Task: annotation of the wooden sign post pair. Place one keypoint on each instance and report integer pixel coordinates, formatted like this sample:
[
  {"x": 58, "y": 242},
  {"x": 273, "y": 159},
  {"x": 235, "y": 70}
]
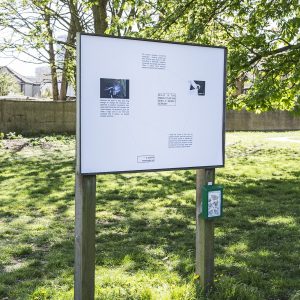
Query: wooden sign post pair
[
  {"x": 167, "y": 97},
  {"x": 85, "y": 236}
]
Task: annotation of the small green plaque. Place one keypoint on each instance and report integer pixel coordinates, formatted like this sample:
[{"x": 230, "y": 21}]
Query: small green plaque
[{"x": 212, "y": 202}]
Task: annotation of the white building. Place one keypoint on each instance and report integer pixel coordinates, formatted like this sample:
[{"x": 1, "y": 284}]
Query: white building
[{"x": 28, "y": 87}]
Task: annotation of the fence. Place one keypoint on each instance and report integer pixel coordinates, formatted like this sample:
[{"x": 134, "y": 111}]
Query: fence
[{"x": 34, "y": 117}]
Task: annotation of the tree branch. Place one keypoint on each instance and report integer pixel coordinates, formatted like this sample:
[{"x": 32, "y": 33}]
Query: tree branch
[{"x": 271, "y": 52}]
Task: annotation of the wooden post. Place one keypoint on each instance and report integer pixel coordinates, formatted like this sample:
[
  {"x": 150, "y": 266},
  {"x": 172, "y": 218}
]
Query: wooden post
[
  {"x": 204, "y": 234},
  {"x": 85, "y": 214},
  {"x": 85, "y": 210}
]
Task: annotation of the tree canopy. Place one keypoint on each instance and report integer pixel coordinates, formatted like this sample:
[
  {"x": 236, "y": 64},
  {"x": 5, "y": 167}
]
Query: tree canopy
[
  {"x": 262, "y": 37},
  {"x": 263, "y": 41}
]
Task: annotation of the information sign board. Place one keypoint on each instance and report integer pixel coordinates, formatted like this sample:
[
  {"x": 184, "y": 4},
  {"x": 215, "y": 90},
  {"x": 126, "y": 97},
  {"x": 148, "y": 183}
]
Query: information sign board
[{"x": 149, "y": 105}]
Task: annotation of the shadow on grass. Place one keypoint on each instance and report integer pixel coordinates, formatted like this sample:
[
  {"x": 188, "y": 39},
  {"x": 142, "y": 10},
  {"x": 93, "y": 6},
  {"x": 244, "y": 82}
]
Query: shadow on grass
[
  {"x": 261, "y": 230},
  {"x": 146, "y": 222},
  {"x": 260, "y": 243},
  {"x": 35, "y": 190}
]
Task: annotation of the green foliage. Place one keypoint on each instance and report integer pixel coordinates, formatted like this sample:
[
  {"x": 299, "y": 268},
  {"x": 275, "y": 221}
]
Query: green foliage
[
  {"x": 8, "y": 84},
  {"x": 228, "y": 288},
  {"x": 296, "y": 296},
  {"x": 269, "y": 57},
  {"x": 145, "y": 224},
  {"x": 12, "y": 136},
  {"x": 263, "y": 42},
  {"x": 46, "y": 93},
  {"x": 262, "y": 38}
]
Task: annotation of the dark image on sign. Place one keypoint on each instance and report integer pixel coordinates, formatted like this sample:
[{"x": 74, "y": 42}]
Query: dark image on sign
[
  {"x": 197, "y": 87},
  {"x": 114, "y": 88}
]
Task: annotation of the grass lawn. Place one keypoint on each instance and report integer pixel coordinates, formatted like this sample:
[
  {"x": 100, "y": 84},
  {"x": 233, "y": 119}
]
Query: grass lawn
[{"x": 145, "y": 224}]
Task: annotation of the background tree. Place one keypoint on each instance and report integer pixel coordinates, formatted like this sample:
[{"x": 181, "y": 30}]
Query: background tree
[
  {"x": 262, "y": 37},
  {"x": 28, "y": 30},
  {"x": 35, "y": 28},
  {"x": 263, "y": 42},
  {"x": 8, "y": 84}
]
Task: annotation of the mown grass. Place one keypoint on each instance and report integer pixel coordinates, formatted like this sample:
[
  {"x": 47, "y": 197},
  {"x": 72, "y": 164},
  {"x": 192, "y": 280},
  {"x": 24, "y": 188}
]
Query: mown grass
[{"x": 145, "y": 225}]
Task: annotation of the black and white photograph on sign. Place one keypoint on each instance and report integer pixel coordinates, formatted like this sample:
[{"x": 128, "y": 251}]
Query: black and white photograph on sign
[
  {"x": 197, "y": 87},
  {"x": 114, "y": 88}
]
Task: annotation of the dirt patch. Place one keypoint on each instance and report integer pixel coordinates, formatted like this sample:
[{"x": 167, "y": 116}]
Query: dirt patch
[
  {"x": 15, "y": 145},
  {"x": 15, "y": 265},
  {"x": 18, "y": 145},
  {"x": 46, "y": 145}
]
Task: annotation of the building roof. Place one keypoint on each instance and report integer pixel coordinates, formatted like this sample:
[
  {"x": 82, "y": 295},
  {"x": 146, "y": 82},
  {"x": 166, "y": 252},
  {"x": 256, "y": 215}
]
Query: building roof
[{"x": 17, "y": 75}]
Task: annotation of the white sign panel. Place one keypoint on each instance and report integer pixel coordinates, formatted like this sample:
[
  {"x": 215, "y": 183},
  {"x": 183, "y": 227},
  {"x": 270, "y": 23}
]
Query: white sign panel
[{"x": 146, "y": 105}]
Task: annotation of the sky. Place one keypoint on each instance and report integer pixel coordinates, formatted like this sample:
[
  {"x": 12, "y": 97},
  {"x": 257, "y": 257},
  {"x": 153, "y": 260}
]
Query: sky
[{"x": 26, "y": 69}]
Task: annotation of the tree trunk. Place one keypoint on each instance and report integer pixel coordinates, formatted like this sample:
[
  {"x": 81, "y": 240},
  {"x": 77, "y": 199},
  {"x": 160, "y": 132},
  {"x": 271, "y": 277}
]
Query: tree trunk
[
  {"x": 67, "y": 57},
  {"x": 64, "y": 81},
  {"x": 100, "y": 16},
  {"x": 75, "y": 19},
  {"x": 239, "y": 86},
  {"x": 53, "y": 71},
  {"x": 52, "y": 62},
  {"x": 74, "y": 27}
]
